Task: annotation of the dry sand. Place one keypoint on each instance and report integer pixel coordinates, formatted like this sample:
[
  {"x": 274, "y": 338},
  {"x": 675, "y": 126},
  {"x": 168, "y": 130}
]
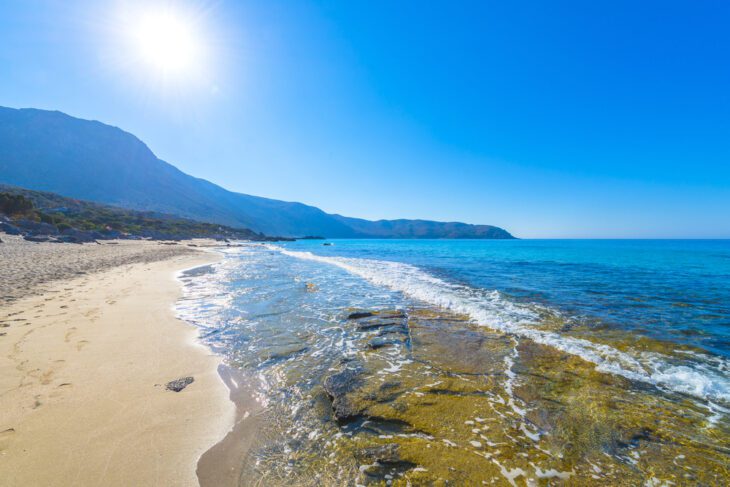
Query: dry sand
[
  {"x": 84, "y": 361},
  {"x": 26, "y": 266}
]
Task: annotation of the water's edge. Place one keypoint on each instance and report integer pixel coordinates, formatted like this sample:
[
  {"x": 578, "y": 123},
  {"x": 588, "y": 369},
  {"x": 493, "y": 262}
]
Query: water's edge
[{"x": 284, "y": 424}]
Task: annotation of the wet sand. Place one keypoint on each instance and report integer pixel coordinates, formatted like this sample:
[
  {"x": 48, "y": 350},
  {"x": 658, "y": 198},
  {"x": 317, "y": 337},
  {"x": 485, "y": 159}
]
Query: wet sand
[
  {"x": 88, "y": 340},
  {"x": 222, "y": 465}
]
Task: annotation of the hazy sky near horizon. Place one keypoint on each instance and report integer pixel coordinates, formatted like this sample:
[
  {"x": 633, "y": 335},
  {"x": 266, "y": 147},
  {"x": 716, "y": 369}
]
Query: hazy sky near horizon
[{"x": 604, "y": 119}]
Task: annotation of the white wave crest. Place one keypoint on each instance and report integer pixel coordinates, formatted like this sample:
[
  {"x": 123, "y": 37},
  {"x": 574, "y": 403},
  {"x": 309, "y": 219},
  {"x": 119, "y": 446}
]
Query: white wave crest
[{"x": 492, "y": 309}]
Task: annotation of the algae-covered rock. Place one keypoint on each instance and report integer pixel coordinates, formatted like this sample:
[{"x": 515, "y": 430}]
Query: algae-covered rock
[
  {"x": 337, "y": 386},
  {"x": 380, "y": 454},
  {"x": 429, "y": 398}
]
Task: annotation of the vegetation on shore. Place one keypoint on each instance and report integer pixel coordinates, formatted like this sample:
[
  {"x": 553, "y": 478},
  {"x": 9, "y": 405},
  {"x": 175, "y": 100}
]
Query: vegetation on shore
[{"x": 66, "y": 215}]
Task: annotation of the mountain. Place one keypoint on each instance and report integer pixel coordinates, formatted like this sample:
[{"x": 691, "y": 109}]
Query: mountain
[{"x": 52, "y": 151}]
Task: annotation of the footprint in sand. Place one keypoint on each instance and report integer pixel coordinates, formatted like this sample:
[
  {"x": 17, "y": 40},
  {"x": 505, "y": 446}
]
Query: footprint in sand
[
  {"x": 47, "y": 377},
  {"x": 93, "y": 314},
  {"x": 69, "y": 333},
  {"x": 58, "y": 392},
  {"x": 6, "y": 433},
  {"x": 5, "y": 438},
  {"x": 81, "y": 344}
]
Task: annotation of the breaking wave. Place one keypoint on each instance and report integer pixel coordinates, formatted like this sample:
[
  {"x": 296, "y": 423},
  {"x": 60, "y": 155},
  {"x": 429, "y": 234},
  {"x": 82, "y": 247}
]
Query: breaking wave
[{"x": 707, "y": 381}]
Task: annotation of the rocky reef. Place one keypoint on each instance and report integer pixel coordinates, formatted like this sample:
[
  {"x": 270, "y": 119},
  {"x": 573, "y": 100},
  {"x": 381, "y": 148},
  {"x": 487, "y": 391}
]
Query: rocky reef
[{"x": 428, "y": 398}]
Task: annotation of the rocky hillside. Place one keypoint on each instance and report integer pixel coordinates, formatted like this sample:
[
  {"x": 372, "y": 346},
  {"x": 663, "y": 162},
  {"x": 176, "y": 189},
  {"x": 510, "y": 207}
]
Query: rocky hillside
[{"x": 43, "y": 216}]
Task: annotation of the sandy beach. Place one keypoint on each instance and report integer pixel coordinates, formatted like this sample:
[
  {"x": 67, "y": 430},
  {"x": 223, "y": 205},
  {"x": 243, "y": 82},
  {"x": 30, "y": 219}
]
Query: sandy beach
[{"x": 88, "y": 341}]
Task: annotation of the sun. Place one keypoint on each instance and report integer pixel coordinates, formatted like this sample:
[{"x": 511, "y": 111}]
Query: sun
[{"x": 167, "y": 41}]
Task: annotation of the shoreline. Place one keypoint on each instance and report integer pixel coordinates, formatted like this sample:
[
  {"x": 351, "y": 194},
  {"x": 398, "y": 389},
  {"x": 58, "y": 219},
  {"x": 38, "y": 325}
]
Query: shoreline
[
  {"x": 83, "y": 366},
  {"x": 364, "y": 386},
  {"x": 222, "y": 464}
]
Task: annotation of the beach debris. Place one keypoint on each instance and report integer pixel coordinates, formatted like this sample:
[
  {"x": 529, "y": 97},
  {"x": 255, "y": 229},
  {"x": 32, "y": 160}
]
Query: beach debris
[{"x": 178, "y": 385}]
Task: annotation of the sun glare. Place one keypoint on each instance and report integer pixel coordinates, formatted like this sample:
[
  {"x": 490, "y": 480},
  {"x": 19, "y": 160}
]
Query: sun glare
[{"x": 168, "y": 42}]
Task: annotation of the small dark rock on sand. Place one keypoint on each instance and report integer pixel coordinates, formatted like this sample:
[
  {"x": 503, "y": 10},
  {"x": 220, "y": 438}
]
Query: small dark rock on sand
[{"x": 178, "y": 385}]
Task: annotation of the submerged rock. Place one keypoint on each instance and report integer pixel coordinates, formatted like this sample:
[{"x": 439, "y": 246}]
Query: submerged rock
[
  {"x": 341, "y": 383},
  {"x": 178, "y": 385},
  {"x": 372, "y": 324},
  {"x": 359, "y": 314},
  {"x": 337, "y": 387},
  {"x": 379, "y": 342},
  {"x": 381, "y": 454},
  {"x": 382, "y": 463}
]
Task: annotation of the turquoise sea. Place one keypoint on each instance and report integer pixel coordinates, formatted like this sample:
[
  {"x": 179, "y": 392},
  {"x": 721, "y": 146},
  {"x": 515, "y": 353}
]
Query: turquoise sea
[
  {"x": 570, "y": 322},
  {"x": 675, "y": 290}
]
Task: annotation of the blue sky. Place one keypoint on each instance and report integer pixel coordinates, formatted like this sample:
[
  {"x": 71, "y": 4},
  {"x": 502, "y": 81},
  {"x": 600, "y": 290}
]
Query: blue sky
[{"x": 550, "y": 119}]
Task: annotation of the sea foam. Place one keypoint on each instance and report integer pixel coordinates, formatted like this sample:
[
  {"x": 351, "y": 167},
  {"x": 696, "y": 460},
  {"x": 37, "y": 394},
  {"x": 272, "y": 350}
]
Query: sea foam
[{"x": 494, "y": 310}]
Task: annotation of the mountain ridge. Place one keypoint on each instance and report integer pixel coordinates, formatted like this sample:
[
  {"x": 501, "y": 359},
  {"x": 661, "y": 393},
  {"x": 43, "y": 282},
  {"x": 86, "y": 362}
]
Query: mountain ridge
[{"x": 87, "y": 159}]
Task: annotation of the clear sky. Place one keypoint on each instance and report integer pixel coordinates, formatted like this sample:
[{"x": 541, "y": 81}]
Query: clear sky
[{"x": 550, "y": 119}]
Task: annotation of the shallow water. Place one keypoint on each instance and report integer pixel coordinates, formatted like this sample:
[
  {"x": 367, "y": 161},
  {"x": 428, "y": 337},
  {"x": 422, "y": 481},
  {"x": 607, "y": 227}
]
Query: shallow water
[{"x": 522, "y": 362}]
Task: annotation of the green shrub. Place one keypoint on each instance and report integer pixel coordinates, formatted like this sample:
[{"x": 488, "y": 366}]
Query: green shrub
[{"x": 15, "y": 204}]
